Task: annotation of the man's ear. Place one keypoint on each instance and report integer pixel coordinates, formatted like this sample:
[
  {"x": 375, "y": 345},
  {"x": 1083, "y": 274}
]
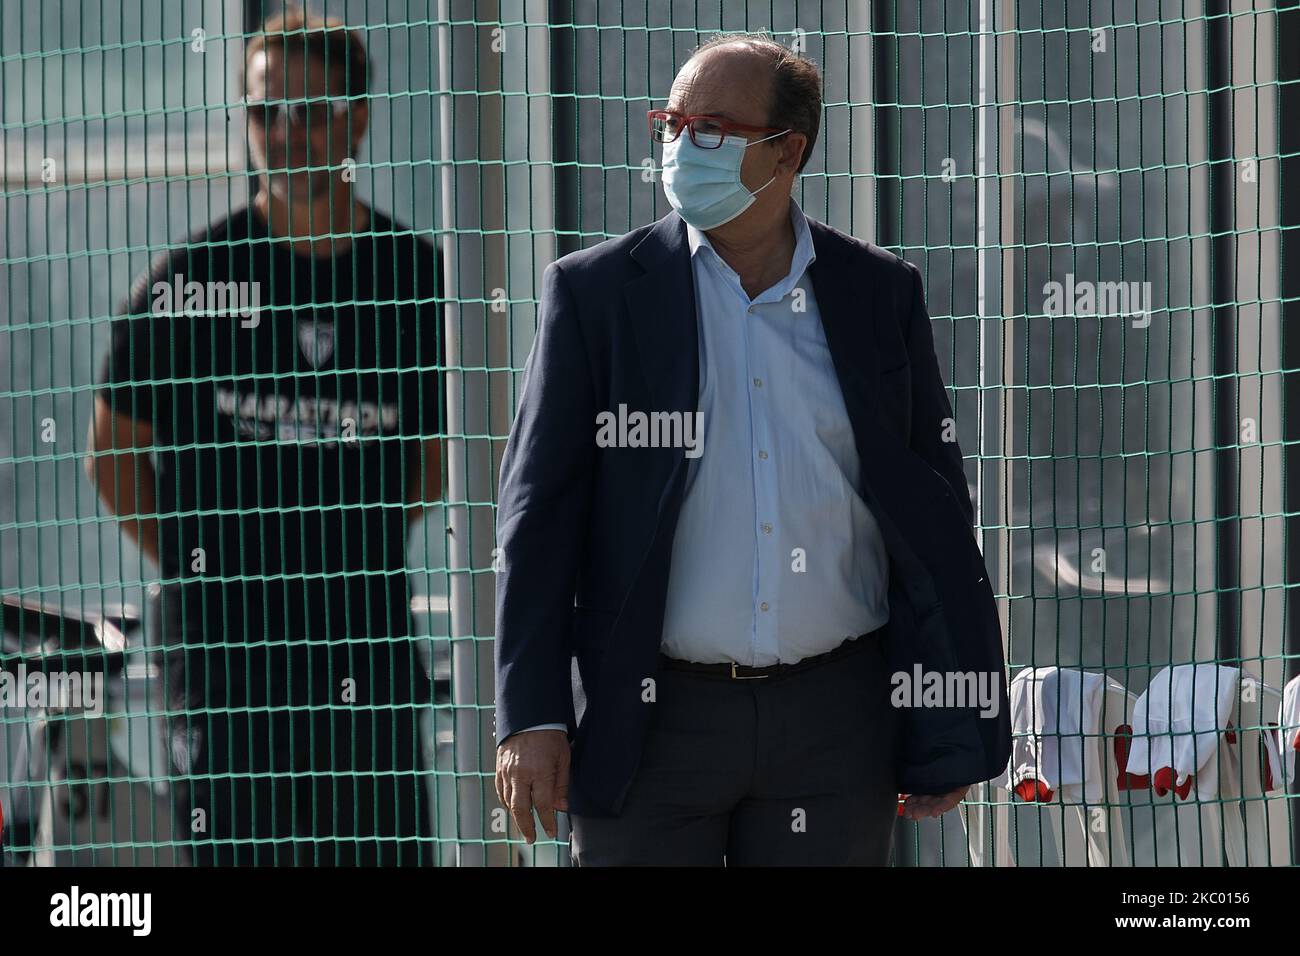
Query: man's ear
[{"x": 792, "y": 147}]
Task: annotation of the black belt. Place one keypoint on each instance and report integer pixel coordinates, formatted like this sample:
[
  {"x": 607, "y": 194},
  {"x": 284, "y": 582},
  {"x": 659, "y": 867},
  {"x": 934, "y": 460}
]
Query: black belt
[{"x": 734, "y": 671}]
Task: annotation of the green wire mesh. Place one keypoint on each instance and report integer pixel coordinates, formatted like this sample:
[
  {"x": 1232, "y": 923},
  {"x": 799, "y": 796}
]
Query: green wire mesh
[{"x": 1022, "y": 155}]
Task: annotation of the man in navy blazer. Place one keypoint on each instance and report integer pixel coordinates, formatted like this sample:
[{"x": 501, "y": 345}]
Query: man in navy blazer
[{"x": 668, "y": 670}]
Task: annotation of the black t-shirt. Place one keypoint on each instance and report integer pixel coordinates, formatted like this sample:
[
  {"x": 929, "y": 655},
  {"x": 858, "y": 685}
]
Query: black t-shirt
[{"x": 289, "y": 397}]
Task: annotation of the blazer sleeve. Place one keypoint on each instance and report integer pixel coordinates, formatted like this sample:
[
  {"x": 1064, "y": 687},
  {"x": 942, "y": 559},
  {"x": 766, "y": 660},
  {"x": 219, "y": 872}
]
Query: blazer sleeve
[
  {"x": 543, "y": 505},
  {"x": 932, "y": 417}
]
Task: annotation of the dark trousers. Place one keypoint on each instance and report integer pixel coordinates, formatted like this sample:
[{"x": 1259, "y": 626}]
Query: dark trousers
[
  {"x": 327, "y": 786},
  {"x": 786, "y": 771}
]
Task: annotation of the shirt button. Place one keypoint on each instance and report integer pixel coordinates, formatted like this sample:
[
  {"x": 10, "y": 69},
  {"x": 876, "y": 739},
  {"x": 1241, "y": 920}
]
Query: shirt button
[
  {"x": 763, "y": 606},
  {"x": 767, "y": 528},
  {"x": 762, "y": 454},
  {"x": 758, "y": 383}
]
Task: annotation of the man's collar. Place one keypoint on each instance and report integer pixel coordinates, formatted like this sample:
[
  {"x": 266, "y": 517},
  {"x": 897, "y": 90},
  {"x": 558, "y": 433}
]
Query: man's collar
[{"x": 804, "y": 253}]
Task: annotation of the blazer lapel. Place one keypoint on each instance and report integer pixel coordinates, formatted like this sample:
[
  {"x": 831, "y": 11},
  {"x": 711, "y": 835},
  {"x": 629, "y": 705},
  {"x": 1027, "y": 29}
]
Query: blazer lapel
[
  {"x": 661, "y": 306},
  {"x": 848, "y": 310}
]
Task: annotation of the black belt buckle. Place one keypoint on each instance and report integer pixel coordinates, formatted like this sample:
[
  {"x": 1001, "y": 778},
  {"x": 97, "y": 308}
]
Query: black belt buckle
[{"x": 731, "y": 670}]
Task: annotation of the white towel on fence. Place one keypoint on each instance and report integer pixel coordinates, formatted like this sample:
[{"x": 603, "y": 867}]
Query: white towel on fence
[
  {"x": 1289, "y": 727},
  {"x": 1251, "y": 715},
  {"x": 1056, "y": 720},
  {"x": 1179, "y": 721}
]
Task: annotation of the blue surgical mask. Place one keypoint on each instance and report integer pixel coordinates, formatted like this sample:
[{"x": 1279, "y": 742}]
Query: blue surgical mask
[{"x": 704, "y": 185}]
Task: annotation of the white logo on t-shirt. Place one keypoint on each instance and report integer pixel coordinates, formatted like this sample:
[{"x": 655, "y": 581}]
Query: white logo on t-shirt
[
  {"x": 284, "y": 418},
  {"x": 316, "y": 339}
]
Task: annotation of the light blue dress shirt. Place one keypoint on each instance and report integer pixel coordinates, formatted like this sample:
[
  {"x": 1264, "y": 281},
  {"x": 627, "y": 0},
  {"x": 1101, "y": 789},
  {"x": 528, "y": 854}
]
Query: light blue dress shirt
[{"x": 776, "y": 557}]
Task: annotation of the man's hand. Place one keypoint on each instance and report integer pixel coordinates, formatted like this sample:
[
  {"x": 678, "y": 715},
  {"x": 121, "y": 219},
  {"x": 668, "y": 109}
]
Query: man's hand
[
  {"x": 118, "y": 465},
  {"x": 533, "y": 771},
  {"x": 918, "y": 806}
]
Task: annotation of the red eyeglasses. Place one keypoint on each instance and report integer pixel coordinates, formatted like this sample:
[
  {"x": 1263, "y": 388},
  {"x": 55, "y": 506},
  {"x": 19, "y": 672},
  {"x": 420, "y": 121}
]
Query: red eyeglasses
[{"x": 707, "y": 132}]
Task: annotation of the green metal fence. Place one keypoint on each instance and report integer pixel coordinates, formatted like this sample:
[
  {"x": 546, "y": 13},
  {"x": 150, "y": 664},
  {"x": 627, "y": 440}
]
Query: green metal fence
[{"x": 1092, "y": 193}]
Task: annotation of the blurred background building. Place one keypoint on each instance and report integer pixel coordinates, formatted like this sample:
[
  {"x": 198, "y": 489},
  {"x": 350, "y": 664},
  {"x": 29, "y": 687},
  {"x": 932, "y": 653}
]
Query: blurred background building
[{"x": 1127, "y": 522}]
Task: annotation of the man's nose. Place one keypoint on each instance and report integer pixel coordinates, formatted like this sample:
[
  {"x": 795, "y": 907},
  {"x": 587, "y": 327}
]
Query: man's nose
[{"x": 285, "y": 136}]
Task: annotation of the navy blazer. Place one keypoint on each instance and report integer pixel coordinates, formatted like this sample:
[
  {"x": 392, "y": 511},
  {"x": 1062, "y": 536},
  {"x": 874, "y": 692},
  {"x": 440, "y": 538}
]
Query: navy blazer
[{"x": 585, "y": 533}]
